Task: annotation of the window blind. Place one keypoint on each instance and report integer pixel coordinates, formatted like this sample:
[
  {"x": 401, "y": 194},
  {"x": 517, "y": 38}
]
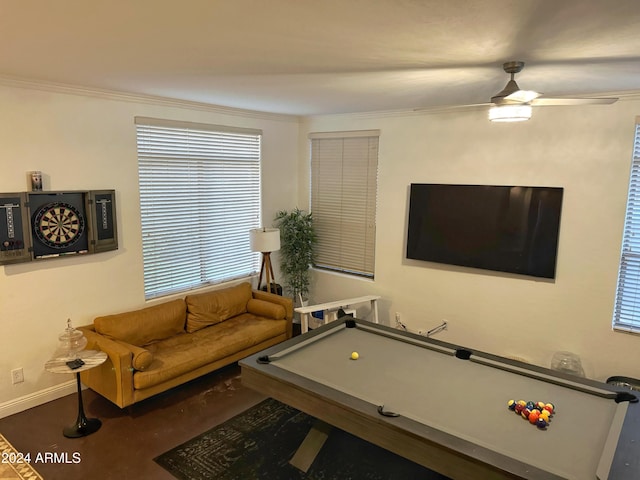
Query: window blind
[
  {"x": 626, "y": 315},
  {"x": 344, "y": 170},
  {"x": 199, "y": 197}
]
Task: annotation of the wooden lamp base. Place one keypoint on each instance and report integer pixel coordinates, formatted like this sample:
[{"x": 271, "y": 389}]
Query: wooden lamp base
[{"x": 268, "y": 268}]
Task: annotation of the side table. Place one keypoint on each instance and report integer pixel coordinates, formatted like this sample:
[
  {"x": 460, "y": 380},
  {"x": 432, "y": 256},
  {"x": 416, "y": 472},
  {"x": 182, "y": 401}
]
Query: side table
[
  {"x": 330, "y": 309},
  {"x": 92, "y": 358}
]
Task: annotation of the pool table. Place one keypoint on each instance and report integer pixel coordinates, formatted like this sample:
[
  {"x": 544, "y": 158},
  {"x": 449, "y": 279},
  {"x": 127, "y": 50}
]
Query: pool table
[{"x": 445, "y": 407}]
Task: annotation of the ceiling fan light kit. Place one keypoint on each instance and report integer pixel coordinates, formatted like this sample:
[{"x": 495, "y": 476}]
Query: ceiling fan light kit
[
  {"x": 512, "y": 104},
  {"x": 510, "y": 113}
]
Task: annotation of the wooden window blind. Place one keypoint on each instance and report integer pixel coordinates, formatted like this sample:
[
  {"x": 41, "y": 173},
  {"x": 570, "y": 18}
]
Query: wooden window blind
[
  {"x": 199, "y": 197},
  {"x": 344, "y": 171}
]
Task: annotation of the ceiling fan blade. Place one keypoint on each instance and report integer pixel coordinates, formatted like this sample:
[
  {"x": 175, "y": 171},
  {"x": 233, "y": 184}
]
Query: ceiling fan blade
[
  {"x": 453, "y": 108},
  {"x": 522, "y": 96},
  {"x": 549, "y": 102}
]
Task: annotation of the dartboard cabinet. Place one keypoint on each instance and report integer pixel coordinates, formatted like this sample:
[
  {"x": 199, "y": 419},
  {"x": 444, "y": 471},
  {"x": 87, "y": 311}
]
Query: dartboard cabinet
[{"x": 40, "y": 225}]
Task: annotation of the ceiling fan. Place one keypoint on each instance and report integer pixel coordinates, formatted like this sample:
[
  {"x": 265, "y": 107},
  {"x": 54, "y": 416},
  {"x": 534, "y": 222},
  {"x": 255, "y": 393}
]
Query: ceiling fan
[{"x": 512, "y": 104}]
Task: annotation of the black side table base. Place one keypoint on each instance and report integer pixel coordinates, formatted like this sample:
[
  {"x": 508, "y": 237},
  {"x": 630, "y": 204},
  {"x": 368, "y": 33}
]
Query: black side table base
[{"x": 83, "y": 427}]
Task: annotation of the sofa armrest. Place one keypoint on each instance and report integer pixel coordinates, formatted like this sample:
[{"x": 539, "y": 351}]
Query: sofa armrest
[
  {"x": 114, "y": 378},
  {"x": 286, "y": 302}
]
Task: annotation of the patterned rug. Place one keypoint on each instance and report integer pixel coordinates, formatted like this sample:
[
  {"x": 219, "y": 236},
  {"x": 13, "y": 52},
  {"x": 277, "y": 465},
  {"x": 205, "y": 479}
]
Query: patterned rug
[
  {"x": 259, "y": 443},
  {"x": 10, "y": 467}
]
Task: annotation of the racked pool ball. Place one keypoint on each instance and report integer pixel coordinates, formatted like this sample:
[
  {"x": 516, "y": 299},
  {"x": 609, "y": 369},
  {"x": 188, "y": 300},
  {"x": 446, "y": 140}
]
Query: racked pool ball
[
  {"x": 511, "y": 404},
  {"x": 541, "y": 423},
  {"x": 534, "y": 416}
]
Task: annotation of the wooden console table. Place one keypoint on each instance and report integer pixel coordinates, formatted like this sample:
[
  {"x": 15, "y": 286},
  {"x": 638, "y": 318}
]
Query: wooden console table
[{"x": 330, "y": 309}]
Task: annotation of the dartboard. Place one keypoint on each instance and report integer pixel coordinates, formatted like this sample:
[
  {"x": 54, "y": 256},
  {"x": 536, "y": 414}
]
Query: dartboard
[{"x": 58, "y": 224}]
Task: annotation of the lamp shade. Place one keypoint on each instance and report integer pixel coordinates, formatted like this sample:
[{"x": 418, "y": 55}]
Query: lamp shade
[
  {"x": 265, "y": 239},
  {"x": 510, "y": 113}
]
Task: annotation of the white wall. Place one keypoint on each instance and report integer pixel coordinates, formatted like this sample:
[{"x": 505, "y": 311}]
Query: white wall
[
  {"x": 84, "y": 142},
  {"x": 88, "y": 142},
  {"x": 586, "y": 150}
]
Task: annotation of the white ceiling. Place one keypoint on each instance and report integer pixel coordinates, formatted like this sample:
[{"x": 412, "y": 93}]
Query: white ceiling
[{"x": 307, "y": 57}]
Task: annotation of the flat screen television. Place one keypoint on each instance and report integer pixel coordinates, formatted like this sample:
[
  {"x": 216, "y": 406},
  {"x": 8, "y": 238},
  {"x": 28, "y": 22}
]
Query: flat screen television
[{"x": 502, "y": 228}]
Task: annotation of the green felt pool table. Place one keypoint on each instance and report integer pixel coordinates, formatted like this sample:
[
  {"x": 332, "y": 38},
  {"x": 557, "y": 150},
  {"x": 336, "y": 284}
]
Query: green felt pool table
[{"x": 445, "y": 407}]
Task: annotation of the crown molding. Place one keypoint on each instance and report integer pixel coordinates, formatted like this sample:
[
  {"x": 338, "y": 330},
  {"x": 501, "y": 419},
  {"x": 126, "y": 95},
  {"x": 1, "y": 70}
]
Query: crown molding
[{"x": 20, "y": 82}]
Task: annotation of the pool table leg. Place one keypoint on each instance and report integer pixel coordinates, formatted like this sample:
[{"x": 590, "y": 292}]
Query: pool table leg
[{"x": 310, "y": 446}]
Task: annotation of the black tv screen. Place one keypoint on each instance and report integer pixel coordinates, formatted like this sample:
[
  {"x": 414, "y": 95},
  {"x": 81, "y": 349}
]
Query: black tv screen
[{"x": 503, "y": 228}]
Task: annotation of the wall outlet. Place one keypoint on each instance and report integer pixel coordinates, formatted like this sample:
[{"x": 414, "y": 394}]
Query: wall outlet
[{"x": 17, "y": 375}]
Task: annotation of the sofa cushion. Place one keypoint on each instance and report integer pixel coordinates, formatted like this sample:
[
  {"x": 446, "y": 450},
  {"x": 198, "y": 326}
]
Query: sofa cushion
[
  {"x": 142, "y": 327},
  {"x": 266, "y": 309},
  {"x": 209, "y": 308},
  {"x": 183, "y": 353}
]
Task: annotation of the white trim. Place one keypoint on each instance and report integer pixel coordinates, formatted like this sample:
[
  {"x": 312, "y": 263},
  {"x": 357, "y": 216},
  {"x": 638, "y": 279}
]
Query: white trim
[
  {"x": 19, "y": 82},
  {"x": 40, "y": 397},
  {"x": 347, "y": 134},
  {"x": 627, "y": 330},
  {"x": 165, "y": 123}
]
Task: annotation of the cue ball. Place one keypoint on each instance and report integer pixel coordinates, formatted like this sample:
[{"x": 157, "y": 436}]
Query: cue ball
[{"x": 354, "y": 356}]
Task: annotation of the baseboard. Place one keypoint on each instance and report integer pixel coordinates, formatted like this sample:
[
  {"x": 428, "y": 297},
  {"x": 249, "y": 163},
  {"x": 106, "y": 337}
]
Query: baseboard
[{"x": 26, "y": 402}]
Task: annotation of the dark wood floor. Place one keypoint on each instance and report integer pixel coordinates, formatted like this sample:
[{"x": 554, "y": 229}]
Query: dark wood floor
[{"x": 129, "y": 440}]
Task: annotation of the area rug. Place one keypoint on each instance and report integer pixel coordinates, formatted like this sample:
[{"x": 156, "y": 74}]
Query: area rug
[
  {"x": 10, "y": 466},
  {"x": 259, "y": 443}
]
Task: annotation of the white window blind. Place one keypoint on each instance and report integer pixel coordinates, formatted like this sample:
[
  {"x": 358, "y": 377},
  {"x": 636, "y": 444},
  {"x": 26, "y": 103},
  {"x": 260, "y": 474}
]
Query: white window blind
[
  {"x": 626, "y": 315},
  {"x": 344, "y": 173},
  {"x": 199, "y": 197}
]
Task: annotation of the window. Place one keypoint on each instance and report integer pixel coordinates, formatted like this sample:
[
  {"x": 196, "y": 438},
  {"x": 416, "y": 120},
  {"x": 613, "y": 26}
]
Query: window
[
  {"x": 199, "y": 197},
  {"x": 626, "y": 314},
  {"x": 344, "y": 172}
]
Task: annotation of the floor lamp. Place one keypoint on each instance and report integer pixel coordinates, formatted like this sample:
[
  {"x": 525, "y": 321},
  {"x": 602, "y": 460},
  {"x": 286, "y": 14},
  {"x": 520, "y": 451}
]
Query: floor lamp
[{"x": 265, "y": 240}]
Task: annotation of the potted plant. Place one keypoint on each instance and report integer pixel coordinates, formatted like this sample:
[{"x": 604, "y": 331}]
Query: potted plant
[{"x": 297, "y": 241}]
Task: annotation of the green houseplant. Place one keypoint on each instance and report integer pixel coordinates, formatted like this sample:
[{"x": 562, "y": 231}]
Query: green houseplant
[{"x": 297, "y": 241}]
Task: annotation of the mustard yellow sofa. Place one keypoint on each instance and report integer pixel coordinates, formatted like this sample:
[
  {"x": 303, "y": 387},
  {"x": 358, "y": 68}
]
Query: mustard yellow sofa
[{"x": 160, "y": 347}]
